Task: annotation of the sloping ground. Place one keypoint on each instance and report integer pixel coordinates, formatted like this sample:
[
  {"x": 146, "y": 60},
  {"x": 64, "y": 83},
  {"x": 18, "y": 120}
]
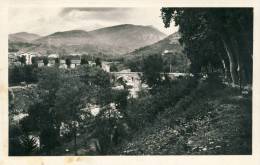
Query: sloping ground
[{"x": 213, "y": 119}]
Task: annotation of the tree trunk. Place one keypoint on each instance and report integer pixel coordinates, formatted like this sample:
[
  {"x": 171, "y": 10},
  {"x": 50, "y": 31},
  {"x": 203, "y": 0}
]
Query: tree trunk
[
  {"x": 240, "y": 68},
  {"x": 246, "y": 56},
  {"x": 232, "y": 62},
  {"x": 224, "y": 68}
]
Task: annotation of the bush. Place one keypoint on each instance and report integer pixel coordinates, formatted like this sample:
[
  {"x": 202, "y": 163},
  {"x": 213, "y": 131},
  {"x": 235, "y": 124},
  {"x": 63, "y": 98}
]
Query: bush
[
  {"x": 25, "y": 73},
  {"x": 145, "y": 109}
]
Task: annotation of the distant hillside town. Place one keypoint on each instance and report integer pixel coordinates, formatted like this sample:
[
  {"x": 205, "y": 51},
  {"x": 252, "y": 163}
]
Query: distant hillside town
[{"x": 51, "y": 60}]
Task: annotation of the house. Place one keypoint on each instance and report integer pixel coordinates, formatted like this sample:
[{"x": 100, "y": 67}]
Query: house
[
  {"x": 75, "y": 61},
  {"x": 51, "y": 62},
  {"x": 63, "y": 63},
  {"x": 40, "y": 63},
  {"x": 53, "y": 56},
  {"x": 52, "y": 59},
  {"x": 106, "y": 66},
  {"x": 91, "y": 63}
]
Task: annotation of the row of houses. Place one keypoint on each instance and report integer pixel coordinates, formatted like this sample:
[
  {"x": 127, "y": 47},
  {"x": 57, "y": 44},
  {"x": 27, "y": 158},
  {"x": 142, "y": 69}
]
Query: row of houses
[{"x": 52, "y": 60}]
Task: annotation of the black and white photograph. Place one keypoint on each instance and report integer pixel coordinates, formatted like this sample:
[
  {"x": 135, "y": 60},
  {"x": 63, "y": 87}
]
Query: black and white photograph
[{"x": 131, "y": 81}]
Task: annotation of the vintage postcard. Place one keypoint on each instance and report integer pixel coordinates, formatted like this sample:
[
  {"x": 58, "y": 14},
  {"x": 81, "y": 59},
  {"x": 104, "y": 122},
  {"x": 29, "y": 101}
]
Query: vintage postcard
[{"x": 115, "y": 82}]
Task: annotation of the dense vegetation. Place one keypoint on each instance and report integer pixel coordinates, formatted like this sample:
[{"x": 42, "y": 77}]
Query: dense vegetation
[
  {"x": 62, "y": 102},
  {"x": 216, "y": 39},
  {"x": 24, "y": 73},
  {"x": 203, "y": 121}
]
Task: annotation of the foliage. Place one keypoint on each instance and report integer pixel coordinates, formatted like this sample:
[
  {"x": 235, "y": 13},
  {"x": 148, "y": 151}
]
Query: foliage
[
  {"x": 34, "y": 62},
  {"x": 49, "y": 79},
  {"x": 57, "y": 61},
  {"x": 29, "y": 145},
  {"x": 98, "y": 62},
  {"x": 22, "y": 59},
  {"x": 113, "y": 68},
  {"x": 152, "y": 68},
  {"x": 211, "y": 38},
  {"x": 20, "y": 143},
  {"x": 120, "y": 98},
  {"x": 68, "y": 62},
  {"x": 144, "y": 110},
  {"x": 83, "y": 61},
  {"x": 25, "y": 73},
  {"x": 45, "y": 61}
]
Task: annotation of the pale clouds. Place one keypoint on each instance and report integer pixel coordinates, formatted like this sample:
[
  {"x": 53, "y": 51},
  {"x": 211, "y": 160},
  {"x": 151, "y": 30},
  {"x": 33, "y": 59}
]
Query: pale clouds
[{"x": 44, "y": 21}]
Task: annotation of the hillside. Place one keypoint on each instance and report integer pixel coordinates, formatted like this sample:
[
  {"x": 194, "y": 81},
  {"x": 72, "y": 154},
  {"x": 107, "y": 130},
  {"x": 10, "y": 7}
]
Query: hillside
[
  {"x": 207, "y": 121},
  {"x": 22, "y": 37},
  {"x": 170, "y": 44},
  {"x": 21, "y": 40},
  {"x": 115, "y": 40}
]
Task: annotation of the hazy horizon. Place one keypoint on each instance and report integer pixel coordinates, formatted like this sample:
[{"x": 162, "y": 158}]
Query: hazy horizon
[
  {"x": 45, "y": 21},
  {"x": 86, "y": 30}
]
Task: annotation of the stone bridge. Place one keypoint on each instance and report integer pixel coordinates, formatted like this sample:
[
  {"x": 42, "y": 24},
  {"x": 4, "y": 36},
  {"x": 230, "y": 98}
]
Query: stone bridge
[{"x": 137, "y": 75}]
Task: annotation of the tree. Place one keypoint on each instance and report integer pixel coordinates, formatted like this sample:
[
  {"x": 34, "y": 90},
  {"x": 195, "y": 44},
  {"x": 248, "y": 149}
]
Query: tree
[
  {"x": 22, "y": 59},
  {"x": 45, "y": 61},
  {"x": 57, "y": 62},
  {"x": 16, "y": 75},
  {"x": 83, "y": 61},
  {"x": 50, "y": 78},
  {"x": 98, "y": 62},
  {"x": 34, "y": 62},
  {"x": 68, "y": 62},
  {"x": 152, "y": 68},
  {"x": 41, "y": 118},
  {"x": 113, "y": 68},
  {"x": 30, "y": 74},
  {"x": 213, "y": 36},
  {"x": 71, "y": 98}
]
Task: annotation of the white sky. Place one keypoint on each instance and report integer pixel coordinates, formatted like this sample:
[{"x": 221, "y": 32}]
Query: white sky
[{"x": 44, "y": 21}]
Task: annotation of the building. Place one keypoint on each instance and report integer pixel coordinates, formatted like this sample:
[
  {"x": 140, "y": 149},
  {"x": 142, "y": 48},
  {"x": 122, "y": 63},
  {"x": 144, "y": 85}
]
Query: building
[
  {"x": 29, "y": 56},
  {"x": 105, "y": 66},
  {"x": 51, "y": 62},
  {"x": 75, "y": 61},
  {"x": 13, "y": 59},
  {"x": 53, "y": 56},
  {"x": 40, "y": 63},
  {"x": 63, "y": 64},
  {"x": 52, "y": 59}
]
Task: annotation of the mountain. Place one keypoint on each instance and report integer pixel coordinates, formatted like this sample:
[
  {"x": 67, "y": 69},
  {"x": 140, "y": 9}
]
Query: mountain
[
  {"x": 22, "y": 40},
  {"x": 115, "y": 40},
  {"x": 22, "y": 37},
  {"x": 170, "y": 49},
  {"x": 169, "y": 43}
]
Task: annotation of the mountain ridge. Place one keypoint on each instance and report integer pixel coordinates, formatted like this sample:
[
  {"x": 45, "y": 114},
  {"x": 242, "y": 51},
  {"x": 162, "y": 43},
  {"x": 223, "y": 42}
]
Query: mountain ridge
[
  {"x": 113, "y": 40},
  {"x": 24, "y": 37}
]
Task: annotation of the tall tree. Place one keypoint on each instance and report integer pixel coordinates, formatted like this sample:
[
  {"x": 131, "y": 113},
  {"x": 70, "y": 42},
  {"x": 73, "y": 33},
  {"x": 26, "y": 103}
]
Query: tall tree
[
  {"x": 152, "y": 68},
  {"x": 98, "y": 62},
  {"x": 218, "y": 37},
  {"x": 22, "y": 59},
  {"x": 68, "y": 62},
  {"x": 45, "y": 61}
]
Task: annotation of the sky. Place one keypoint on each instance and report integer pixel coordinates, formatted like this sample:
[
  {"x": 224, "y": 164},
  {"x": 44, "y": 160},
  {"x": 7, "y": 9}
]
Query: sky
[{"x": 45, "y": 21}]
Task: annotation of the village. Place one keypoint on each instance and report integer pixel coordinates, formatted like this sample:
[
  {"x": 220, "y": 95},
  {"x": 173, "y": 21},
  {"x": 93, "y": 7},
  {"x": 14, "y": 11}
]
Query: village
[{"x": 68, "y": 61}]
